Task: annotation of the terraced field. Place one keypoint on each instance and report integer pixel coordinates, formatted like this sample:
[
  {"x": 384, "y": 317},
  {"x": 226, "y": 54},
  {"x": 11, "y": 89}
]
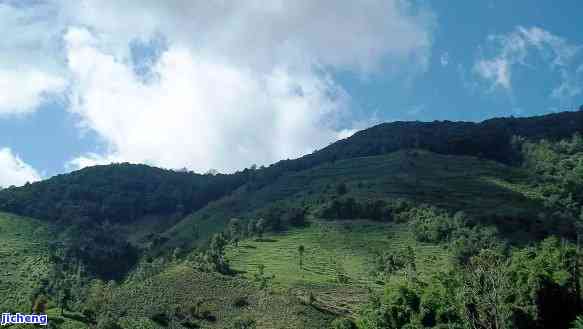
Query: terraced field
[
  {"x": 23, "y": 260},
  {"x": 337, "y": 262},
  {"x": 179, "y": 289}
]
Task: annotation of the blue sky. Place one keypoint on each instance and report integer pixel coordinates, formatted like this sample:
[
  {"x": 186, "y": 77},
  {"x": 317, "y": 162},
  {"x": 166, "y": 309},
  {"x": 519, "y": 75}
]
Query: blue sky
[{"x": 229, "y": 84}]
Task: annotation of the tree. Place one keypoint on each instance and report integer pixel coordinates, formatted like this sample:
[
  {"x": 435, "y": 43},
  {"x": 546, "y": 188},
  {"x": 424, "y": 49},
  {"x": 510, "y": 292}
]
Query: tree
[
  {"x": 235, "y": 230},
  {"x": 64, "y": 296},
  {"x": 218, "y": 244},
  {"x": 343, "y": 323},
  {"x": 40, "y": 305},
  {"x": 216, "y": 253},
  {"x": 296, "y": 216},
  {"x": 301, "y": 250},
  {"x": 485, "y": 292},
  {"x": 99, "y": 296},
  {"x": 251, "y": 227},
  {"x": 243, "y": 323},
  {"x": 341, "y": 189},
  {"x": 578, "y": 323},
  {"x": 261, "y": 277},
  {"x": 260, "y": 227}
]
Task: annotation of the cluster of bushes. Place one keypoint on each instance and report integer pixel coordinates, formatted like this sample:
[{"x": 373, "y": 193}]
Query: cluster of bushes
[
  {"x": 100, "y": 247},
  {"x": 464, "y": 237},
  {"x": 557, "y": 171},
  {"x": 388, "y": 263},
  {"x": 430, "y": 224},
  {"x": 533, "y": 287},
  {"x": 350, "y": 208}
]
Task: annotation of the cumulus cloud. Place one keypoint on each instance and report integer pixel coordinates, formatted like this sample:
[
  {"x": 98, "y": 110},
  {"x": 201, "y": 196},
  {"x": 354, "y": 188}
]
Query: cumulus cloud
[
  {"x": 14, "y": 171},
  {"x": 29, "y": 70},
  {"x": 198, "y": 112},
  {"x": 263, "y": 34},
  {"x": 24, "y": 90},
  {"x": 227, "y": 83},
  {"x": 525, "y": 45}
]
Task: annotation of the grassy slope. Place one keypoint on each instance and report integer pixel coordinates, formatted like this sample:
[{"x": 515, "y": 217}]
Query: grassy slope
[
  {"x": 454, "y": 182},
  {"x": 24, "y": 262},
  {"x": 23, "y": 259},
  {"x": 331, "y": 248},
  {"x": 479, "y": 187},
  {"x": 179, "y": 286}
]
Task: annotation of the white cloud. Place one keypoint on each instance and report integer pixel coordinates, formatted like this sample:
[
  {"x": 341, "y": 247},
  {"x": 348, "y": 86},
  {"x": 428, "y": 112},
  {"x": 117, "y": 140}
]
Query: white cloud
[
  {"x": 236, "y": 83},
  {"x": 14, "y": 171},
  {"x": 22, "y": 91},
  {"x": 521, "y": 47},
  {"x": 354, "y": 35},
  {"x": 29, "y": 69},
  {"x": 497, "y": 70},
  {"x": 200, "y": 113}
]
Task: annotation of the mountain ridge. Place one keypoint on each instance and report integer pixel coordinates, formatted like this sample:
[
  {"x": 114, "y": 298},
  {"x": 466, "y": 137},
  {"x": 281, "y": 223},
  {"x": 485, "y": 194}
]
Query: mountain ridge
[{"x": 143, "y": 190}]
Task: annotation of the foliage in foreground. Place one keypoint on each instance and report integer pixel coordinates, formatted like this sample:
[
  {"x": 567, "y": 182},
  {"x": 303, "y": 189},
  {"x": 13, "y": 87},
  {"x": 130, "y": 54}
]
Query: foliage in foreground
[{"x": 533, "y": 287}]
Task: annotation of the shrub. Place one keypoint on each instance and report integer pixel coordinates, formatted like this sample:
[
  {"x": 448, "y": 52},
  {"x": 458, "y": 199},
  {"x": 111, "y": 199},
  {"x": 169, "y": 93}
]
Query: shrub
[
  {"x": 244, "y": 323},
  {"x": 343, "y": 323},
  {"x": 240, "y": 301}
]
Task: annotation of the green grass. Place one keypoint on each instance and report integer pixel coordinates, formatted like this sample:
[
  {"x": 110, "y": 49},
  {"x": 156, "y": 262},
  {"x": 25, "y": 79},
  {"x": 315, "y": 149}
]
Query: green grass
[
  {"x": 180, "y": 287},
  {"x": 346, "y": 247},
  {"x": 23, "y": 260}
]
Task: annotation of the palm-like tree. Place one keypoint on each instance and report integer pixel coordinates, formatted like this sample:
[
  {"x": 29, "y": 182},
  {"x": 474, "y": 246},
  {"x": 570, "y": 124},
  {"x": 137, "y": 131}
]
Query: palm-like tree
[{"x": 301, "y": 250}]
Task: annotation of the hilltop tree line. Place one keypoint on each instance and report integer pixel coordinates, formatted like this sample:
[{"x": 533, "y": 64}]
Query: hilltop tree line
[
  {"x": 122, "y": 193},
  {"x": 118, "y": 193}
]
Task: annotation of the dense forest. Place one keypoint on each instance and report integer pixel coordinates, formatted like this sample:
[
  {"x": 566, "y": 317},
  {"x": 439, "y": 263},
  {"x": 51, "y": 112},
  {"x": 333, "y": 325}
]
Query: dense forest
[
  {"x": 118, "y": 193},
  {"x": 403, "y": 225}
]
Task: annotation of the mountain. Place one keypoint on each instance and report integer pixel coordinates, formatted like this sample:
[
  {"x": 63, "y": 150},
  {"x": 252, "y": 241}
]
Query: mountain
[
  {"x": 385, "y": 212},
  {"x": 124, "y": 192}
]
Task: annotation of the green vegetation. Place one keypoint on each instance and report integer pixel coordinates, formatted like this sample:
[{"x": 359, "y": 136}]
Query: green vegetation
[
  {"x": 331, "y": 250},
  {"x": 24, "y": 260},
  {"x": 404, "y": 225},
  {"x": 339, "y": 260},
  {"x": 188, "y": 298}
]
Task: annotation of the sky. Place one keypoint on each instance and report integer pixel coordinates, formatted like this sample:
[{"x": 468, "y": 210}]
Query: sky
[{"x": 228, "y": 84}]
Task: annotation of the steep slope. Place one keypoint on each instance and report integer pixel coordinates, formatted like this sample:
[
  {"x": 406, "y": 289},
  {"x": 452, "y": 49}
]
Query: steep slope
[
  {"x": 24, "y": 260},
  {"x": 125, "y": 193},
  {"x": 150, "y": 203},
  {"x": 491, "y": 139},
  {"x": 482, "y": 188}
]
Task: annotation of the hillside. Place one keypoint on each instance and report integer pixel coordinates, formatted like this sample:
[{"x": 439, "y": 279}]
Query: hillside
[
  {"x": 119, "y": 193},
  {"x": 24, "y": 259},
  {"x": 481, "y": 188},
  {"x": 124, "y": 192},
  {"x": 398, "y": 213},
  {"x": 182, "y": 297}
]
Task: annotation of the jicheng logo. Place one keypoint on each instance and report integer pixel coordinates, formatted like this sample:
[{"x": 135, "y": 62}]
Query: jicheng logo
[{"x": 9, "y": 318}]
